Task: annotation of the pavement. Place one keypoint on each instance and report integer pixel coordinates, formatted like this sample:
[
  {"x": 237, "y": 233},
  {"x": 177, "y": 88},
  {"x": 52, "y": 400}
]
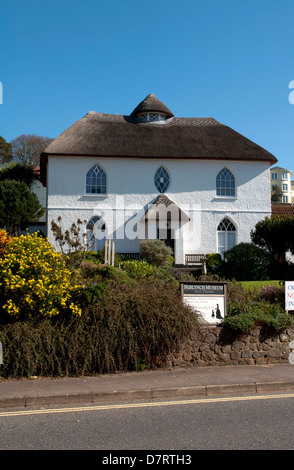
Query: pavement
[{"x": 175, "y": 383}]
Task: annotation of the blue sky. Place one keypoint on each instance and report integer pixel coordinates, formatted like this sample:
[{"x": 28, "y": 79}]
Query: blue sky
[{"x": 227, "y": 59}]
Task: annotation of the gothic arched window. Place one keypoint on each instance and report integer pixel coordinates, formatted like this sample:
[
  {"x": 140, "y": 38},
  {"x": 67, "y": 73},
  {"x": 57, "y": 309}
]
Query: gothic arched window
[
  {"x": 225, "y": 183},
  {"x": 96, "y": 180},
  {"x": 226, "y": 235}
]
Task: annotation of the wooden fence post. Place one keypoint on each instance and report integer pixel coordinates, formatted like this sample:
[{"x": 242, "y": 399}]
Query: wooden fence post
[{"x": 109, "y": 252}]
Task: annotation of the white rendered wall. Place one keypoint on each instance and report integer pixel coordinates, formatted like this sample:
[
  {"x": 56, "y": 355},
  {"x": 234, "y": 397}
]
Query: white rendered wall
[{"x": 130, "y": 188}]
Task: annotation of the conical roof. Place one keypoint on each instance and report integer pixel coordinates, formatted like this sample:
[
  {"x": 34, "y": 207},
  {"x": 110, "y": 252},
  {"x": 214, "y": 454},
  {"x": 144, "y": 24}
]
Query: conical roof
[{"x": 151, "y": 104}]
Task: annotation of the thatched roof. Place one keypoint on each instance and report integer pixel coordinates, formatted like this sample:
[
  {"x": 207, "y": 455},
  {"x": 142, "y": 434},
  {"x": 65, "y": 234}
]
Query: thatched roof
[
  {"x": 151, "y": 104},
  {"x": 111, "y": 135}
]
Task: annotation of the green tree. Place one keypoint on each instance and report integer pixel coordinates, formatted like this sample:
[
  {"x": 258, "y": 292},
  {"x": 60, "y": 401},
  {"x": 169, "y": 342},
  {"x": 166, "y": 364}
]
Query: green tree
[
  {"x": 18, "y": 172},
  {"x": 277, "y": 194},
  {"x": 276, "y": 234},
  {"x": 5, "y": 151},
  {"x": 19, "y": 207}
]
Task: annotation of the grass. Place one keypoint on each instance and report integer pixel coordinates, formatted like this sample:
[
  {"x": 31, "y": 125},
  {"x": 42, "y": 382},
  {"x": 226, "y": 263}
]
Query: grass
[{"x": 250, "y": 285}]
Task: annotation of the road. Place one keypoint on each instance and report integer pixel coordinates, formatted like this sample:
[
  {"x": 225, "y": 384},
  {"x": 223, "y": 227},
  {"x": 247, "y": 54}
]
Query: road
[{"x": 232, "y": 423}]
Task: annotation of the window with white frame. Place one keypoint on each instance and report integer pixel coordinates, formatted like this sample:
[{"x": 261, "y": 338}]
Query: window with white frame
[
  {"x": 274, "y": 176},
  {"x": 284, "y": 176},
  {"x": 285, "y": 198},
  {"x": 161, "y": 179},
  {"x": 226, "y": 236},
  {"x": 285, "y": 187},
  {"x": 225, "y": 183},
  {"x": 96, "y": 180}
]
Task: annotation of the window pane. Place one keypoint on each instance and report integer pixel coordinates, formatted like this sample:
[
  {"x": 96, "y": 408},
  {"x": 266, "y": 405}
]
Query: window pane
[
  {"x": 222, "y": 240},
  {"x": 231, "y": 240},
  {"x": 96, "y": 181},
  {"x": 221, "y": 243},
  {"x": 161, "y": 180},
  {"x": 225, "y": 183}
]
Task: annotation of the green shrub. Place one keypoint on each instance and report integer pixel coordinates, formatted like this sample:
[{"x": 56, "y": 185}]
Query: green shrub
[
  {"x": 213, "y": 262},
  {"x": 156, "y": 252},
  {"x": 139, "y": 269},
  {"x": 270, "y": 294},
  {"x": 98, "y": 257},
  {"x": 259, "y": 313},
  {"x": 240, "y": 321},
  {"x": 246, "y": 261},
  {"x": 238, "y": 297},
  {"x": 96, "y": 279}
]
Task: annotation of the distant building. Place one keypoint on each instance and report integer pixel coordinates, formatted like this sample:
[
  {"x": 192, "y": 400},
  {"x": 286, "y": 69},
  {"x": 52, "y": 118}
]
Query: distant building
[{"x": 281, "y": 185}]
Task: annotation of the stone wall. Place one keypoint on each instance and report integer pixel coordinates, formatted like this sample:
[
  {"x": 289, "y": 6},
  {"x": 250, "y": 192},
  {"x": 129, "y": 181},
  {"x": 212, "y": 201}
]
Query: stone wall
[{"x": 220, "y": 346}]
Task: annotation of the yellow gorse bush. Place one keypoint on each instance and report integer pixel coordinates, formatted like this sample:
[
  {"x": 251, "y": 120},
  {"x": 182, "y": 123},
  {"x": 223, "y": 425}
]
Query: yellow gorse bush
[{"x": 34, "y": 279}]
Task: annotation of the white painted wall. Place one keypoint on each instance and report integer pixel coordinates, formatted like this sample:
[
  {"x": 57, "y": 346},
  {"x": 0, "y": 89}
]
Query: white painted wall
[{"x": 130, "y": 187}]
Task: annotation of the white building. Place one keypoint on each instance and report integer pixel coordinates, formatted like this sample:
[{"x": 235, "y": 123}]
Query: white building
[
  {"x": 194, "y": 182},
  {"x": 281, "y": 181}
]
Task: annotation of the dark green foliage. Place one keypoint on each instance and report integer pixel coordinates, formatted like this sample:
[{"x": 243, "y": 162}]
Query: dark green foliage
[
  {"x": 276, "y": 235},
  {"x": 277, "y": 194},
  {"x": 269, "y": 315},
  {"x": 156, "y": 252},
  {"x": 5, "y": 151},
  {"x": 213, "y": 262},
  {"x": 19, "y": 207},
  {"x": 17, "y": 172},
  {"x": 247, "y": 261},
  {"x": 282, "y": 270}
]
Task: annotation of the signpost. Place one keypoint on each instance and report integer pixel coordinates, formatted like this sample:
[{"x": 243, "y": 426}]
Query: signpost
[
  {"x": 209, "y": 299},
  {"x": 289, "y": 295}
]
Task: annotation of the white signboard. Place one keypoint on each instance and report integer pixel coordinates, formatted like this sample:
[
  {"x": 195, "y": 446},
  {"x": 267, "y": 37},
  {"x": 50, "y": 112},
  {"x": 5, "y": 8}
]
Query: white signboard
[
  {"x": 207, "y": 298},
  {"x": 289, "y": 295}
]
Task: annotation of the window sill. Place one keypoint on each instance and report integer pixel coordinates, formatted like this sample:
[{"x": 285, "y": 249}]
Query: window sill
[
  {"x": 230, "y": 198},
  {"x": 96, "y": 195}
]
